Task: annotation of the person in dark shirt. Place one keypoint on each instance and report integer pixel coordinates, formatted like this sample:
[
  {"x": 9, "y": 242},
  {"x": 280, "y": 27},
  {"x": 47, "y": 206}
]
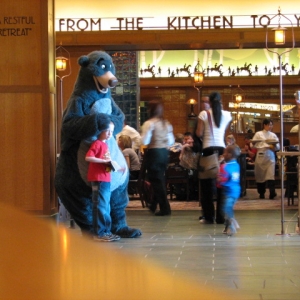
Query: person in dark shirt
[{"x": 250, "y": 152}]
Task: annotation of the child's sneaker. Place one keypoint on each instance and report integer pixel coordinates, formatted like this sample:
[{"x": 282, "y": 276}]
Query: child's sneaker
[
  {"x": 231, "y": 230},
  {"x": 108, "y": 237},
  {"x": 116, "y": 237},
  {"x": 235, "y": 223},
  {"x": 232, "y": 227}
]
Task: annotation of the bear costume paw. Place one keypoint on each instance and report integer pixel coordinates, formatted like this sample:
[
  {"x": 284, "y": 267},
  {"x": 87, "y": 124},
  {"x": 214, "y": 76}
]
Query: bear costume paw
[{"x": 127, "y": 232}]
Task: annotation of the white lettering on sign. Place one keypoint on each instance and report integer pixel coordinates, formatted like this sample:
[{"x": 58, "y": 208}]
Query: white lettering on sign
[{"x": 259, "y": 106}]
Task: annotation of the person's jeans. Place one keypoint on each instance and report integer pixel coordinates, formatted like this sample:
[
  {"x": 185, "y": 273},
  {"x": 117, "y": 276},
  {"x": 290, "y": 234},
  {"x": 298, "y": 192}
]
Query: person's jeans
[
  {"x": 228, "y": 205},
  {"x": 101, "y": 208}
]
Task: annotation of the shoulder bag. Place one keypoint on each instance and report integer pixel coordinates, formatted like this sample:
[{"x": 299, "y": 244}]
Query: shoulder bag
[{"x": 189, "y": 159}]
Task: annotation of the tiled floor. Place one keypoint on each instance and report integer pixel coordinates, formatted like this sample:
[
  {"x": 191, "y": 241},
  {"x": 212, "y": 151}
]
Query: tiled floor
[
  {"x": 249, "y": 202},
  {"x": 258, "y": 263}
]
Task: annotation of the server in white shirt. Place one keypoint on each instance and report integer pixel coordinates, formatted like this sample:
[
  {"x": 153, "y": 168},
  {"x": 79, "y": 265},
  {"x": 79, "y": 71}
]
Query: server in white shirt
[{"x": 266, "y": 143}]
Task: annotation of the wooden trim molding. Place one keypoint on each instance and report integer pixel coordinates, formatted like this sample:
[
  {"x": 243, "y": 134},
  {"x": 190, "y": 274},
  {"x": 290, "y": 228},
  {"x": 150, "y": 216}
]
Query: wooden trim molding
[
  {"x": 242, "y": 38},
  {"x": 220, "y": 81}
]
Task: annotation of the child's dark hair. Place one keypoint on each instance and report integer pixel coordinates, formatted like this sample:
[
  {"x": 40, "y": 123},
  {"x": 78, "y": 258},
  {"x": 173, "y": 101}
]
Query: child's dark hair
[
  {"x": 188, "y": 133},
  {"x": 234, "y": 150}
]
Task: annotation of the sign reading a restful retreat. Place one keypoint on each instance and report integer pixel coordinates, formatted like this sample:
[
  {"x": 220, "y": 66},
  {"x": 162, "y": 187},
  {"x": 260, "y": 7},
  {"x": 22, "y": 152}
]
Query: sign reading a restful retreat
[
  {"x": 173, "y": 23},
  {"x": 16, "y": 25}
]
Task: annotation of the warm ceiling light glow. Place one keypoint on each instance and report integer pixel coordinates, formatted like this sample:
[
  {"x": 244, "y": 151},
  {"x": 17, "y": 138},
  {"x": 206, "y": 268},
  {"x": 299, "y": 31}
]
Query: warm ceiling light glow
[
  {"x": 198, "y": 77},
  {"x": 238, "y": 98},
  {"x": 198, "y": 74},
  {"x": 238, "y": 95},
  {"x": 279, "y": 35},
  {"x": 192, "y": 101},
  {"x": 61, "y": 63}
]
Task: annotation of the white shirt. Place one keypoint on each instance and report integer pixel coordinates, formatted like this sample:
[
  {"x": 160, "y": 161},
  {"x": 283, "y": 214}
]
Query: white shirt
[
  {"x": 157, "y": 135},
  {"x": 134, "y": 135},
  {"x": 217, "y": 139},
  {"x": 265, "y": 135},
  {"x": 295, "y": 128}
]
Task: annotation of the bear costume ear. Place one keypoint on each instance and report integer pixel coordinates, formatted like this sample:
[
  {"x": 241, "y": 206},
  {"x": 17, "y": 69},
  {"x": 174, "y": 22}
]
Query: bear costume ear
[{"x": 83, "y": 61}]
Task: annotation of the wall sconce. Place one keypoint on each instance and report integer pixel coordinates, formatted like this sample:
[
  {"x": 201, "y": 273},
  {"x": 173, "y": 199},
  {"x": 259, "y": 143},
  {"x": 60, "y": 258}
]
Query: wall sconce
[
  {"x": 192, "y": 102},
  {"x": 280, "y": 40}
]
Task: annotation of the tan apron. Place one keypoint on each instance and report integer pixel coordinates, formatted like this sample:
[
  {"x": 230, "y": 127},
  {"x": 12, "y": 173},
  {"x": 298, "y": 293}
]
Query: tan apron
[{"x": 264, "y": 168}]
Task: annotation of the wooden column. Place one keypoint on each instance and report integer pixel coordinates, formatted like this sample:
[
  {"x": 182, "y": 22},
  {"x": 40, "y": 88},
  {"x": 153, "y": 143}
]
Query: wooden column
[{"x": 27, "y": 101}]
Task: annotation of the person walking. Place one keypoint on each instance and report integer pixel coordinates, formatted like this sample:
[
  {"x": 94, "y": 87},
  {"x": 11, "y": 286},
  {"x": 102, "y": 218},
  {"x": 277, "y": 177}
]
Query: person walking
[
  {"x": 212, "y": 142},
  {"x": 157, "y": 135},
  {"x": 266, "y": 143},
  {"x": 229, "y": 181}
]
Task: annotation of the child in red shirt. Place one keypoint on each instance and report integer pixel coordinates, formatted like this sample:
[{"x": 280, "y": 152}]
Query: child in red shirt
[{"x": 99, "y": 170}]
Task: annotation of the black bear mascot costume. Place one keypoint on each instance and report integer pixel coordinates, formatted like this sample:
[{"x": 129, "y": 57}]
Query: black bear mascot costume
[{"x": 89, "y": 110}]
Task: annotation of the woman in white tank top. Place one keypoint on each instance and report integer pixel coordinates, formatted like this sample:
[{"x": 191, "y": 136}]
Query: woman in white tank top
[{"x": 212, "y": 142}]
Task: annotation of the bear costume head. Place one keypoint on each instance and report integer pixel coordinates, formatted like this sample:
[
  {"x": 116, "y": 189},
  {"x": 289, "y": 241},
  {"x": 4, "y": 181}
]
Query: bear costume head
[{"x": 89, "y": 111}]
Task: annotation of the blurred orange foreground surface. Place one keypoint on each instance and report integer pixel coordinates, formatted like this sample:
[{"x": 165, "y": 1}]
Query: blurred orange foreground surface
[{"x": 39, "y": 260}]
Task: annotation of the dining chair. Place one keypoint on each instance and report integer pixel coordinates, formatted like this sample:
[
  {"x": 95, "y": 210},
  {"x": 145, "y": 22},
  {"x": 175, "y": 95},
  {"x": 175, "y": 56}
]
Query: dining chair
[{"x": 176, "y": 175}]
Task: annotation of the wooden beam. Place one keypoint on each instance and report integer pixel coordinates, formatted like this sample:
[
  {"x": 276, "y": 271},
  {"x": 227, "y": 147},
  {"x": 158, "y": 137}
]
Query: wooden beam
[
  {"x": 245, "y": 38},
  {"x": 219, "y": 81}
]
